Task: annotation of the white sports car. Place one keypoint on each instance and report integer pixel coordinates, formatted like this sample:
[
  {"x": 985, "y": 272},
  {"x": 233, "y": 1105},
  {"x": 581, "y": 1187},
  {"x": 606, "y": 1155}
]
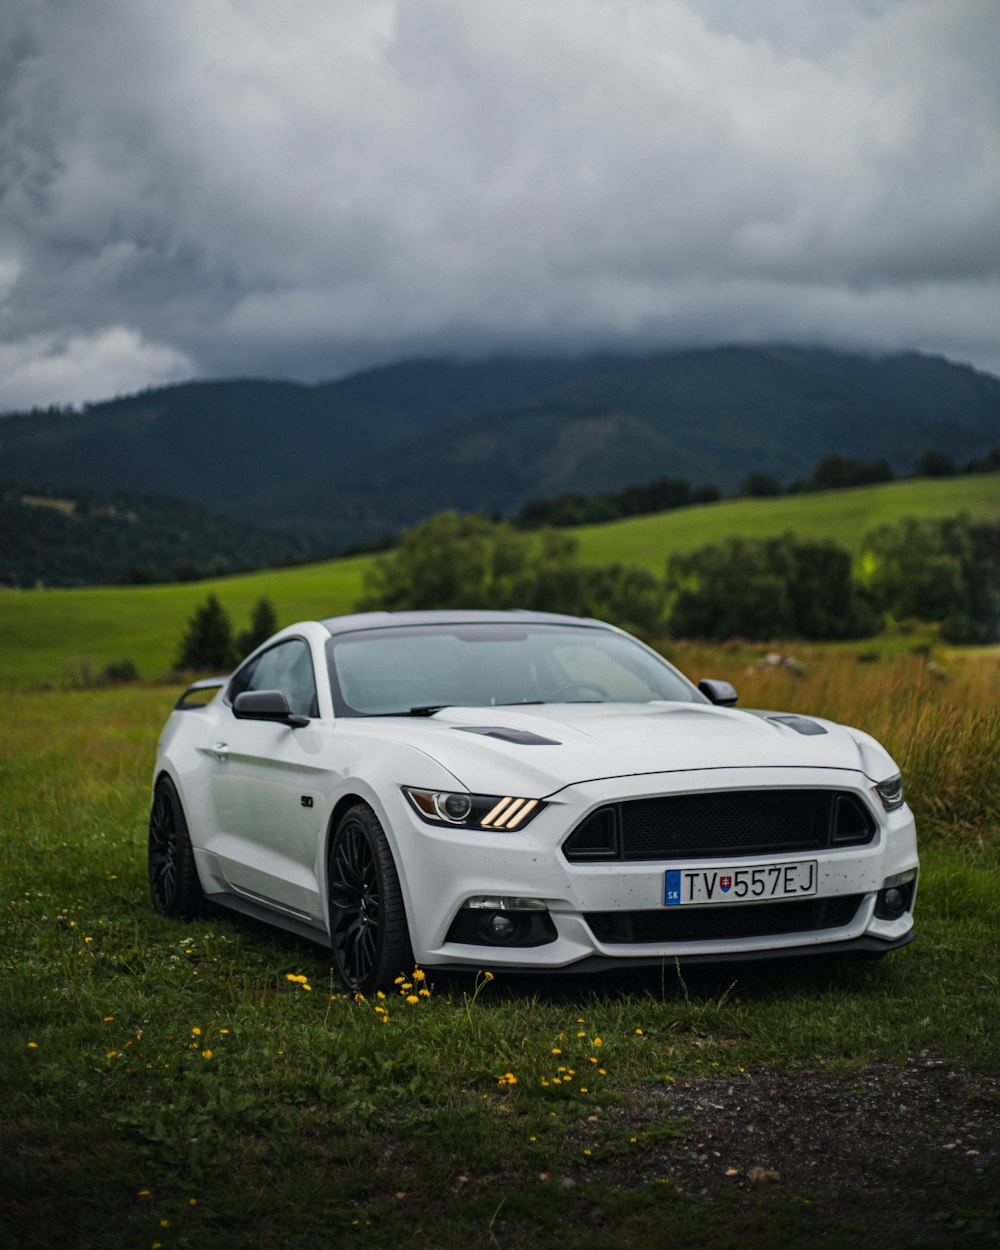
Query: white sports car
[{"x": 521, "y": 790}]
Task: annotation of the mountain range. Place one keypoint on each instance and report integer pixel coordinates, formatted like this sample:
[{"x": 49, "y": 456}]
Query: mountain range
[{"x": 346, "y": 461}]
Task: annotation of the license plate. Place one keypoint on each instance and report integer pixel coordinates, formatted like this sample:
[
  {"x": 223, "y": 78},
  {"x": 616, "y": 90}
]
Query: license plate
[{"x": 739, "y": 885}]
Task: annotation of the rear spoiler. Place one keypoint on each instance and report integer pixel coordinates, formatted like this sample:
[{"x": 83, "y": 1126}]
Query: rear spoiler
[{"x": 186, "y": 704}]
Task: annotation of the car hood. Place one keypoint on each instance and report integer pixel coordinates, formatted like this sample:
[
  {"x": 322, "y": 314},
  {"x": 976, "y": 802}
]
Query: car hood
[{"x": 536, "y": 750}]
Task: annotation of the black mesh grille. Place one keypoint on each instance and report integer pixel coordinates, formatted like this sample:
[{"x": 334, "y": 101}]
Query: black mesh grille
[
  {"x": 734, "y": 822},
  {"x": 730, "y": 920}
]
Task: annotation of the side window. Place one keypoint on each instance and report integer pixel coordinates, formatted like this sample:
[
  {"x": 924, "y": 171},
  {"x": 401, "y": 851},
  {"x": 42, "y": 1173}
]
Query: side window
[{"x": 286, "y": 667}]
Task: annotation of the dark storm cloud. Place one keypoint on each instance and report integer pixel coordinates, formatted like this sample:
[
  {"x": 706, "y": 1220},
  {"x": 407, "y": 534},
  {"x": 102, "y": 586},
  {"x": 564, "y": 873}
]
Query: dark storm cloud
[{"x": 245, "y": 187}]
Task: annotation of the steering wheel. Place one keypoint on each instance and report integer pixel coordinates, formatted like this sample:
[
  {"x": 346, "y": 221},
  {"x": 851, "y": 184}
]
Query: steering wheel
[{"x": 553, "y": 695}]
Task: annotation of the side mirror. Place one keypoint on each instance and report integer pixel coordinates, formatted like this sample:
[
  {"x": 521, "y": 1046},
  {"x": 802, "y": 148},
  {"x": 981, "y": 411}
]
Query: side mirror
[
  {"x": 719, "y": 692},
  {"x": 268, "y": 705}
]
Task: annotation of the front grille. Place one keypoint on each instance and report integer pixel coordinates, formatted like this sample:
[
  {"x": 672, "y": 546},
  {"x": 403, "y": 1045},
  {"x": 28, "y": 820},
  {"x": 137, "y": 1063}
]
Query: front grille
[
  {"x": 729, "y": 920},
  {"x": 725, "y": 822}
]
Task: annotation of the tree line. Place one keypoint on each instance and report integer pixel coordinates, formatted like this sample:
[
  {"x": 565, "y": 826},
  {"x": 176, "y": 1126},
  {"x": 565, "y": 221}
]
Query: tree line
[
  {"x": 832, "y": 472},
  {"x": 942, "y": 571},
  {"x": 945, "y": 572}
]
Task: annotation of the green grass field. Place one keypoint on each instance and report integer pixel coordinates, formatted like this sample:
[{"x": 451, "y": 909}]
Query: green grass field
[
  {"x": 844, "y": 516},
  {"x": 171, "y": 1084},
  {"x": 53, "y": 636}
]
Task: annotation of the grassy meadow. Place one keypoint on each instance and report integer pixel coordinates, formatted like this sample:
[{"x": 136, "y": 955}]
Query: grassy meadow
[
  {"x": 169, "y": 1084},
  {"x": 58, "y": 636},
  {"x": 844, "y": 516}
]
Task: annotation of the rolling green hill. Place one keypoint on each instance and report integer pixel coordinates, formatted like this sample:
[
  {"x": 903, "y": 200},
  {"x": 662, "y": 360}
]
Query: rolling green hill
[
  {"x": 49, "y": 635},
  {"x": 843, "y": 515}
]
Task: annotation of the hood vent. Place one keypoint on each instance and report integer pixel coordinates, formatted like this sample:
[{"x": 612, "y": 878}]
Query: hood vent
[
  {"x": 521, "y": 737},
  {"x": 801, "y": 724}
]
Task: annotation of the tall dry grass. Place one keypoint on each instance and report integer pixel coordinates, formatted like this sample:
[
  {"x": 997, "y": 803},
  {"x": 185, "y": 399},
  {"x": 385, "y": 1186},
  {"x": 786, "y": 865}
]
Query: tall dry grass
[{"x": 939, "y": 717}]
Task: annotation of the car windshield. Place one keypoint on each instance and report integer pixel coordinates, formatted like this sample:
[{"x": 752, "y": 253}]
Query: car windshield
[{"x": 419, "y": 669}]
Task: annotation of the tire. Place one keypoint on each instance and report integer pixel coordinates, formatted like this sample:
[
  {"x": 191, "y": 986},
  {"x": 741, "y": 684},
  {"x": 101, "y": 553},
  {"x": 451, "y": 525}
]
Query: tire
[
  {"x": 173, "y": 878},
  {"x": 368, "y": 932}
]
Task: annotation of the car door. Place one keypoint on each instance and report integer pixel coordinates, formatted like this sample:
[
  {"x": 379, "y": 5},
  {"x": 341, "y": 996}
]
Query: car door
[{"x": 265, "y": 787}]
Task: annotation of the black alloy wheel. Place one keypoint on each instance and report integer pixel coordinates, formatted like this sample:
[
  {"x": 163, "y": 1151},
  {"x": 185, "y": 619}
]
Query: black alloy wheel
[
  {"x": 173, "y": 878},
  {"x": 368, "y": 932}
]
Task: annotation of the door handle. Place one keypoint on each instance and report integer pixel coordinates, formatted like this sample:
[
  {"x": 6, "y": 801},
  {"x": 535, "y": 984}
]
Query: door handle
[{"x": 220, "y": 750}]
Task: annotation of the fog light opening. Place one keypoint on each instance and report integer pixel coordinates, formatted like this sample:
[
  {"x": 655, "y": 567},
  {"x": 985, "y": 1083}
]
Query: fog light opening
[
  {"x": 495, "y": 920},
  {"x": 895, "y": 897}
]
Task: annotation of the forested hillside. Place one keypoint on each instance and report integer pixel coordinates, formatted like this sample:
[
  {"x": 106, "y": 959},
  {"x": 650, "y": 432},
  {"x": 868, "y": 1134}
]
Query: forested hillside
[{"x": 350, "y": 460}]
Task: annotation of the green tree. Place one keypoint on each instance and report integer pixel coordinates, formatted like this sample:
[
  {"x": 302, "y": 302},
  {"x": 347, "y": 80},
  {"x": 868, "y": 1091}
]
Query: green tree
[
  {"x": 263, "y": 623},
  {"x": 453, "y": 561},
  {"x": 207, "y": 643},
  {"x": 766, "y": 588},
  {"x": 760, "y": 485},
  {"x": 944, "y": 570}
]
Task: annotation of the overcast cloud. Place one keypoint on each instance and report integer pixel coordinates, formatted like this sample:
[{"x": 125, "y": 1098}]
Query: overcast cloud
[{"x": 261, "y": 187}]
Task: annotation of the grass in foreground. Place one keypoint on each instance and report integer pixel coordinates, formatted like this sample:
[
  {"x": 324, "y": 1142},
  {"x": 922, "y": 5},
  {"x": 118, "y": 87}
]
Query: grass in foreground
[{"x": 209, "y": 1083}]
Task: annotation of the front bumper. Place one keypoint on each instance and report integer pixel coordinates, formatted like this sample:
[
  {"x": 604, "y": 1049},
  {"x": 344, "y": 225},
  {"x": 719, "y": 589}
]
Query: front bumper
[{"x": 442, "y": 868}]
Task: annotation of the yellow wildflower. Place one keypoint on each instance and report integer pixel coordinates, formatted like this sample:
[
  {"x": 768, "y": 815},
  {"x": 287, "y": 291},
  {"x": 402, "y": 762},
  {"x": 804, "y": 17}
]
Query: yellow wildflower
[
  {"x": 598, "y": 1042},
  {"x": 419, "y": 974},
  {"x": 206, "y": 1054},
  {"x": 412, "y": 998},
  {"x": 196, "y": 1032},
  {"x": 556, "y": 1050},
  {"x": 32, "y": 1045}
]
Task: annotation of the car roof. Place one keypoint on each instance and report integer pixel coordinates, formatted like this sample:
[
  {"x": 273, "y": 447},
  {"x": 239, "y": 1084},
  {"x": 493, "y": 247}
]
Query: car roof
[{"x": 358, "y": 621}]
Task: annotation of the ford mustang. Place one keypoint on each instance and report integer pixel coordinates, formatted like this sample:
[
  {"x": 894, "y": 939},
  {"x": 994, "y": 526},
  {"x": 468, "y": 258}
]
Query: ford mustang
[{"x": 521, "y": 790}]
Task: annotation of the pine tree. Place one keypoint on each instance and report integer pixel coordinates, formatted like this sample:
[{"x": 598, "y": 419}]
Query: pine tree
[
  {"x": 263, "y": 623},
  {"x": 208, "y": 640}
]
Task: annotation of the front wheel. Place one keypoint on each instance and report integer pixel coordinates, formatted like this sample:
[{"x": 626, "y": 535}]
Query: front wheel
[
  {"x": 173, "y": 878},
  {"x": 368, "y": 932}
]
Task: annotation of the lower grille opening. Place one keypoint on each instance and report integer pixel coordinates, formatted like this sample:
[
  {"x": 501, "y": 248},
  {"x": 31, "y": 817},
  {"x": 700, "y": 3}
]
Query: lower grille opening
[{"x": 732, "y": 920}]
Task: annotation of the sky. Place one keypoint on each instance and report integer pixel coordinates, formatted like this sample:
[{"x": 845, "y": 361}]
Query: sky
[{"x": 303, "y": 188}]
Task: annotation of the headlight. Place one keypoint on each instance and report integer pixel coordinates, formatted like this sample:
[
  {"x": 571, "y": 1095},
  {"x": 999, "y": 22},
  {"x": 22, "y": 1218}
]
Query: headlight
[
  {"x": 473, "y": 811},
  {"x": 890, "y": 792}
]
